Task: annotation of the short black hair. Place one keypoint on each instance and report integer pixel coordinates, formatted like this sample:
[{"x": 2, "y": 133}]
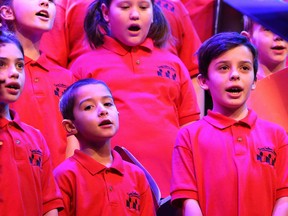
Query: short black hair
[
  {"x": 67, "y": 100},
  {"x": 219, "y": 44}
]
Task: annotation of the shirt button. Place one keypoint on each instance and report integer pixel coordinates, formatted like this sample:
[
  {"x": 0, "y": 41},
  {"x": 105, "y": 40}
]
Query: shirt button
[
  {"x": 138, "y": 62},
  {"x": 110, "y": 188},
  {"x": 17, "y": 141},
  {"x": 36, "y": 80},
  {"x": 239, "y": 139}
]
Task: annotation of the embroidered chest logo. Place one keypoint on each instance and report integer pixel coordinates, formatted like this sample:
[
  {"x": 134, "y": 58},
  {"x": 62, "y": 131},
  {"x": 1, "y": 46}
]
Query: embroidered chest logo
[
  {"x": 166, "y": 4},
  {"x": 266, "y": 155},
  {"x": 35, "y": 158},
  {"x": 59, "y": 89},
  {"x": 133, "y": 201},
  {"x": 167, "y": 72}
]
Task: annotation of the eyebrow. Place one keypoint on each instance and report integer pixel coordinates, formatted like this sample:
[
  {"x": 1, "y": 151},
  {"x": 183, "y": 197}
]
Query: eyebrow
[
  {"x": 18, "y": 59},
  {"x": 223, "y": 61},
  {"x": 91, "y": 99}
]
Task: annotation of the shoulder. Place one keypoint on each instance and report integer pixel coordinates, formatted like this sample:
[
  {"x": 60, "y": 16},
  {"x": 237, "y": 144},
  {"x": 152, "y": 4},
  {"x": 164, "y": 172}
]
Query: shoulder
[
  {"x": 32, "y": 132},
  {"x": 194, "y": 127},
  {"x": 269, "y": 127},
  {"x": 67, "y": 167},
  {"x": 87, "y": 57}
]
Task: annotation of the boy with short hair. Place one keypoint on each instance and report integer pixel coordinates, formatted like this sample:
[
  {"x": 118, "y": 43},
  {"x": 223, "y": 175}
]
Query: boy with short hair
[
  {"x": 27, "y": 183},
  {"x": 95, "y": 180},
  {"x": 230, "y": 162},
  {"x": 272, "y": 49}
]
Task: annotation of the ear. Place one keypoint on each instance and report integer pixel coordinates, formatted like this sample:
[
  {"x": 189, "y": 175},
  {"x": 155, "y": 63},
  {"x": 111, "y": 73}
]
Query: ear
[
  {"x": 246, "y": 34},
  {"x": 6, "y": 13},
  {"x": 253, "y": 85},
  {"x": 202, "y": 82},
  {"x": 105, "y": 12},
  {"x": 69, "y": 127}
]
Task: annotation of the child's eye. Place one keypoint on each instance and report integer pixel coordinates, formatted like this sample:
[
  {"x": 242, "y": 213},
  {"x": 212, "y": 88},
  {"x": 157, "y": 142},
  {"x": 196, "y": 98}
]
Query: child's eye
[
  {"x": 223, "y": 67},
  {"x": 2, "y": 64},
  {"x": 108, "y": 104},
  {"x": 88, "y": 107},
  {"x": 124, "y": 6},
  {"x": 144, "y": 6},
  {"x": 20, "y": 66},
  {"x": 246, "y": 68}
]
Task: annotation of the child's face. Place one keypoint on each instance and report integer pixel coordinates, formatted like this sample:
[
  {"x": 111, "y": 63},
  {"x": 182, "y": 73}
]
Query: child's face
[
  {"x": 95, "y": 114},
  {"x": 34, "y": 15},
  {"x": 129, "y": 20},
  {"x": 272, "y": 49},
  {"x": 12, "y": 75},
  {"x": 230, "y": 79}
]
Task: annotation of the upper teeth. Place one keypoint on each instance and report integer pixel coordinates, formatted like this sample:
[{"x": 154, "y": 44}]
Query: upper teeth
[{"x": 41, "y": 13}]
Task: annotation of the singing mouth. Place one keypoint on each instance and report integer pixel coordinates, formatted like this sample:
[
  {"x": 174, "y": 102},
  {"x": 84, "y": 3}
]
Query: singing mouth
[
  {"x": 278, "y": 48},
  {"x": 43, "y": 13},
  {"x": 105, "y": 122},
  {"x": 134, "y": 28},
  {"x": 15, "y": 86},
  {"x": 234, "y": 89}
]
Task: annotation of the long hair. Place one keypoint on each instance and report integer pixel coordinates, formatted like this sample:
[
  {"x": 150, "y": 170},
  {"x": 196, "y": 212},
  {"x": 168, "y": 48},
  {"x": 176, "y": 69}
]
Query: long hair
[{"x": 96, "y": 27}]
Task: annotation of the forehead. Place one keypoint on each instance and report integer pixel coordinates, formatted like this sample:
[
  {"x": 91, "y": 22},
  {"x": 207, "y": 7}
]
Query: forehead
[
  {"x": 92, "y": 90},
  {"x": 239, "y": 53},
  {"x": 10, "y": 50},
  {"x": 131, "y": 1}
]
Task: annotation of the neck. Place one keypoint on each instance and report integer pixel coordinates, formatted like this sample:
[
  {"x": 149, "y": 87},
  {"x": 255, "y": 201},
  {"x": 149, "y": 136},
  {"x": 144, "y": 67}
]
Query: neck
[
  {"x": 236, "y": 114},
  {"x": 4, "y": 111},
  {"x": 101, "y": 154},
  {"x": 265, "y": 71},
  {"x": 30, "y": 45}
]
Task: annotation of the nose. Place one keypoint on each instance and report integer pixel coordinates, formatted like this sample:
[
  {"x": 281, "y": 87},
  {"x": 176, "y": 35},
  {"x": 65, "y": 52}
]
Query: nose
[
  {"x": 102, "y": 111},
  {"x": 277, "y": 37},
  {"x": 14, "y": 73},
  {"x": 234, "y": 75},
  {"x": 44, "y": 3},
  {"x": 134, "y": 15}
]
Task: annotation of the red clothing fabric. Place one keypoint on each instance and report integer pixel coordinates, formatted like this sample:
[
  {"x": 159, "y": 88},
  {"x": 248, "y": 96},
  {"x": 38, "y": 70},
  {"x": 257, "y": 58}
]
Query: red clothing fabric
[
  {"x": 66, "y": 41},
  {"x": 154, "y": 95},
  {"x": 187, "y": 41},
  {"x": 27, "y": 183},
  {"x": 38, "y": 104},
  {"x": 202, "y": 14},
  {"x": 230, "y": 167},
  {"x": 90, "y": 188}
]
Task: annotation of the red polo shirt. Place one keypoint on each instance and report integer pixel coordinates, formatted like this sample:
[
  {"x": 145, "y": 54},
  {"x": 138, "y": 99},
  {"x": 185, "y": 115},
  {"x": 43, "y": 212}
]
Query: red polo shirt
[
  {"x": 27, "y": 183},
  {"x": 90, "y": 188},
  {"x": 38, "y": 104},
  {"x": 231, "y": 167}
]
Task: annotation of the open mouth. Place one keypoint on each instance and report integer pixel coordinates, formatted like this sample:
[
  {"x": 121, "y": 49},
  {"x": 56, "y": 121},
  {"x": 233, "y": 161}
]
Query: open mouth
[
  {"x": 14, "y": 86},
  {"x": 278, "y": 47},
  {"x": 42, "y": 13},
  {"x": 234, "y": 90},
  {"x": 134, "y": 28},
  {"x": 105, "y": 122}
]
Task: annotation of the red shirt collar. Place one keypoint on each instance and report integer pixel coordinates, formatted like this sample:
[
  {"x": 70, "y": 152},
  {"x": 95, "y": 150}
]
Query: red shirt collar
[
  {"x": 94, "y": 167},
  {"x": 220, "y": 121}
]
